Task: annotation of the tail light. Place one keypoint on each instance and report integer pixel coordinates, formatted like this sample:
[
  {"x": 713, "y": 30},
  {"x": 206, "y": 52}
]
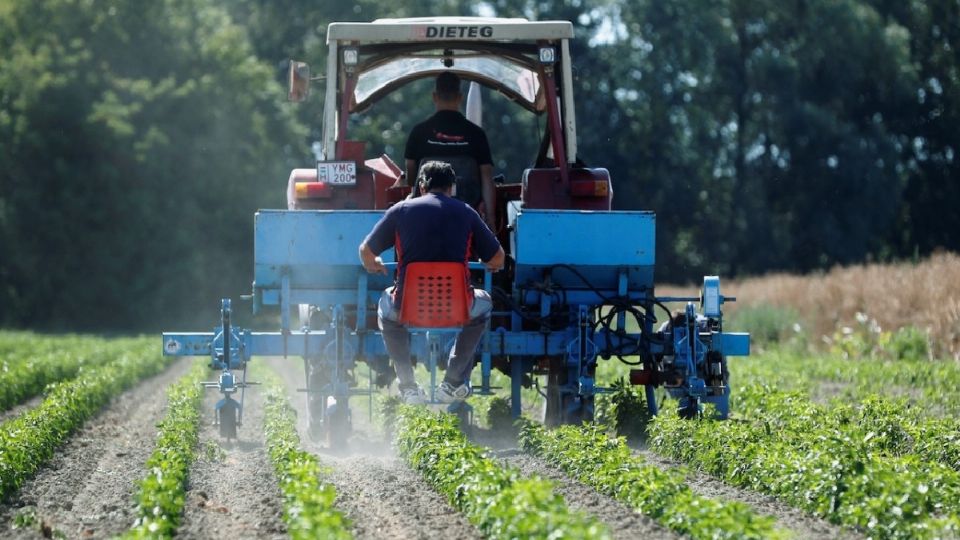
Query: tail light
[
  {"x": 590, "y": 188},
  {"x": 313, "y": 190}
]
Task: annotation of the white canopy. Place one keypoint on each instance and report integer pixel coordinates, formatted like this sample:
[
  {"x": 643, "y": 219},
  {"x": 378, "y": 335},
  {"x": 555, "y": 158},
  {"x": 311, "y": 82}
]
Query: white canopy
[{"x": 426, "y": 29}]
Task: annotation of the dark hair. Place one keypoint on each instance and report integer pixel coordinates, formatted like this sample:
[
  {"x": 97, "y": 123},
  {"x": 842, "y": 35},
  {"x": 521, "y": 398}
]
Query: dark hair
[
  {"x": 437, "y": 175},
  {"x": 447, "y": 86}
]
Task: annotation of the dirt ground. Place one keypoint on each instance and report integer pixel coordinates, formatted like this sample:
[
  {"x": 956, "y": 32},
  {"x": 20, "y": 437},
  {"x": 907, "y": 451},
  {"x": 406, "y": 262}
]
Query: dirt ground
[
  {"x": 383, "y": 498},
  {"x": 233, "y": 492},
  {"x": 87, "y": 490}
]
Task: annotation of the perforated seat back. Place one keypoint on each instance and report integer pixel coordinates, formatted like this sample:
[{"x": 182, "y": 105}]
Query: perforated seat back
[{"x": 435, "y": 295}]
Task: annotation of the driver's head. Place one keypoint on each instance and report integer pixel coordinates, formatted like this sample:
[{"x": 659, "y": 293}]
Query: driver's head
[
  {"x": 447, "y": 89},
  {"x": 437, "y": 176}
]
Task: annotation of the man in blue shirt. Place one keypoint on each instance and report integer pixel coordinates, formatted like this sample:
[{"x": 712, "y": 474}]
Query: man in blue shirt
[
  {"x": 434, "y": 227},
  {"x": 448, "y": 135}
]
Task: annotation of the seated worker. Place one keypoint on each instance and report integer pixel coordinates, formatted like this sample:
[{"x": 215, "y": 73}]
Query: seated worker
[
  {"x": 448, "y": 134},
  {"x": 434, "y": 227}
]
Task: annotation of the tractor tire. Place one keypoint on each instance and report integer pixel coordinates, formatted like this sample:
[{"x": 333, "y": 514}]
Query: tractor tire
[{"x": 227, "y": 416}]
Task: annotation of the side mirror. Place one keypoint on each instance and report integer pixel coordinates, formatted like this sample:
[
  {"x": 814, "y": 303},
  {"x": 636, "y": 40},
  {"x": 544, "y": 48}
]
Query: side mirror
[{"x": 298, "y": 79}]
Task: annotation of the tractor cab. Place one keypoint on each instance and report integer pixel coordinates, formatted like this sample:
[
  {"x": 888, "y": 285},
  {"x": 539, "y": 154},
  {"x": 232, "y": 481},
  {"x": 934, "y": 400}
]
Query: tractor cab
[{"x": 528, "y": 62}]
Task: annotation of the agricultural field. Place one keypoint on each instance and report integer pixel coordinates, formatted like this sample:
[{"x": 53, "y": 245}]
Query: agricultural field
[{"x": 847, "y": 432}]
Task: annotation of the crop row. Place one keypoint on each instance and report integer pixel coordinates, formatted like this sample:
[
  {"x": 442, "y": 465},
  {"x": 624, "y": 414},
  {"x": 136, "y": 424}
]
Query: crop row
[
  {"x": 495, "y": 498},
  {"x": 934, "y": 385},
  {"x": 308, "y": 503},
  {"x": 883, "y": 496},
  {"x": 875, "y": 425},
  {"x": 15, "y": 344},
  {"x": 26, "y": 373},
  {"x": 161, "y": 496},
  {"x": 29, "y": 440},
  {"x": 590, "y": 456}
]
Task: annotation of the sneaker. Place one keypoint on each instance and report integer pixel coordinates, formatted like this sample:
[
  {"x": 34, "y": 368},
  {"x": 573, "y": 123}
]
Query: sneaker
[
  {"x": 448, "y": 393},
  {"x": 413, "y": 396}
]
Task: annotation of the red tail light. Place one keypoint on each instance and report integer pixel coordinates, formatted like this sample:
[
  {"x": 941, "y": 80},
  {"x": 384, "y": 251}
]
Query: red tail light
[
  {"x": 590, "y": 188},
  {"x": 313, "y": 190}
]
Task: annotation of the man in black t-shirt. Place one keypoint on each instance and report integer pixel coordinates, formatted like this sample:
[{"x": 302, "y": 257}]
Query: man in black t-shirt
[
  {"x": 448, "y": 134},
  {"x": 431, "y": 228}
]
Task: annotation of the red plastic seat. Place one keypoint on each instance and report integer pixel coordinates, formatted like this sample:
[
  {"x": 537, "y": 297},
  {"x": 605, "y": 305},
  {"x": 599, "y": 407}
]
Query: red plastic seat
[{"x": 436, "y": 295}]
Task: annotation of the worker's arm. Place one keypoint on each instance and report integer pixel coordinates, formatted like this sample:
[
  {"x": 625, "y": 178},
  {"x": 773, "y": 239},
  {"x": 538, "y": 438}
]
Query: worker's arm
[
  {"x": 489, "y": 196},
  {"x": 495, "y": 263},
  {"x": 371, "y": 262}
]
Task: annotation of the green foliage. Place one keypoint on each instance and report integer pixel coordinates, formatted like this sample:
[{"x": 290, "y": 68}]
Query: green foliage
[
  {"x": 624, "y": 409},
  {"x": 499, "y": 415},
  {"x": 29, "y": 440},
  {"x": 26, "y": 519},
  {"x": 855, "y": 342},
  {"x": 867, "y": 339},
  {"x": 387, "y": 406},
  {"x": 30, "y": 366},
  {"x": 933, "y": 387},
  {"x": 494, "y": 412},
  {"x": 852, "y": 466},
  {"x": 308, "y": 503},
  {"x": 766, "y": 323},
  {"x": 162, "y": 494},
  {"x": 587, "y": 454},
  {"x": 493, "y": 497},
  {"x": 874, "y": 425},
  {"x": 211, "y": 451},
  {"x": 909, "y": 343},
  {"x": 169, "y": 133}
]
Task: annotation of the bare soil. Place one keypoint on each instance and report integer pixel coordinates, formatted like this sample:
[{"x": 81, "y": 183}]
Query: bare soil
[
  {"x": 383, "y": 498},
  {"x": 87, "y": 490},
  {"x": 233, "y": 492}
]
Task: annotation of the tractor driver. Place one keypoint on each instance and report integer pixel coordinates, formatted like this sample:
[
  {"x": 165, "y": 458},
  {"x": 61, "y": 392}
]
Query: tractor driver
[
  {"x": 431, "y": 228},
  {"x": 447, "y": 135}
]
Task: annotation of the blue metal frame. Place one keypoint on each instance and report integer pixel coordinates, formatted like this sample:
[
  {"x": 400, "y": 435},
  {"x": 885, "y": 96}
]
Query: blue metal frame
[{"x": 563, "y": 260}]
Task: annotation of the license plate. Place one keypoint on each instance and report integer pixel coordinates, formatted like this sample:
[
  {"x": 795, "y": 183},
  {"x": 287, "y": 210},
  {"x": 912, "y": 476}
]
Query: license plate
[{"x": 338, "y": 173}]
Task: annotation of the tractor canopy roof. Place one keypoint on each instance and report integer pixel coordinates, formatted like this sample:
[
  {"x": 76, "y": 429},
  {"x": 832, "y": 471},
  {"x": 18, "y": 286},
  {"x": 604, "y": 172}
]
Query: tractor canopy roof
[{"x": 504, "y": 54}]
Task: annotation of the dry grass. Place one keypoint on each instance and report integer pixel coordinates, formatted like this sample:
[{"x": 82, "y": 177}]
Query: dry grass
[{"x": 925, "y": 295}]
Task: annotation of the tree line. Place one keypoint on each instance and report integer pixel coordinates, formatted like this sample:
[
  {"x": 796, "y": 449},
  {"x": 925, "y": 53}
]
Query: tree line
[{"x": 138, "y": 138}]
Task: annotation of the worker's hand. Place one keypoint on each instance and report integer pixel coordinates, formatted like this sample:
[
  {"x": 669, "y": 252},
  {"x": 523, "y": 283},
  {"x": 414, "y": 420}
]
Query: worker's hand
[
  {"x": 376, "y": 267},
  {"x": 496, "y": 262},
  {"x": 493, "y": 267}
]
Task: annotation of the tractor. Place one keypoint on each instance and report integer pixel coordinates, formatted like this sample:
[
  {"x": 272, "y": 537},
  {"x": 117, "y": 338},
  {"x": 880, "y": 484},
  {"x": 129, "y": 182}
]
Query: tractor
[{"x": 573, "y": 296}]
